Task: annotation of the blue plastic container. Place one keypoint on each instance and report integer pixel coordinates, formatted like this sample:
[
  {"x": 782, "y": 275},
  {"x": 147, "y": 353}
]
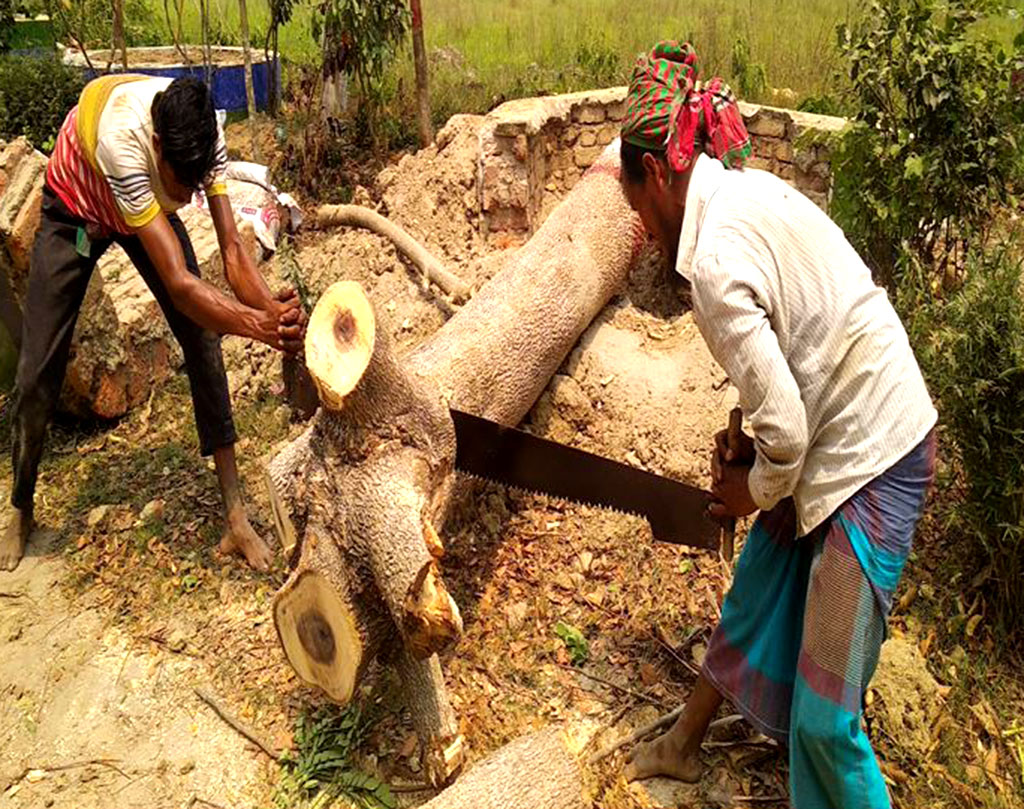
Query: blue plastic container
[{"x": 228, "y": 71}]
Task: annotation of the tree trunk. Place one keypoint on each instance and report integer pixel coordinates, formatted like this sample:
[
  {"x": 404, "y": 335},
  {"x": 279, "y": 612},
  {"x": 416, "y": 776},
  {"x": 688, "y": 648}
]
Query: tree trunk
[
  {"x": 375, "y": 470},
  {"x": 419, "y": 52},
  {"x": 538, "y": 771},
  {"x": 119, "y": 41},
  {"x": 250, "y": 95}
]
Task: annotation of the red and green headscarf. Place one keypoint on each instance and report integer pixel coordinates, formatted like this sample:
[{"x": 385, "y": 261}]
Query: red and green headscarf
[{"x": 668, "y": 108}]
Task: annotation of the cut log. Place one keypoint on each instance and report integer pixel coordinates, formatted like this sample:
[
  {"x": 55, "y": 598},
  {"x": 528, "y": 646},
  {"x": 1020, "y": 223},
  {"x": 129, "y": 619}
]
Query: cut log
[
  {"x": 330, "y": 625},
  {"x": 538, "y": 771},
  {"x": 375, "y": 470}
]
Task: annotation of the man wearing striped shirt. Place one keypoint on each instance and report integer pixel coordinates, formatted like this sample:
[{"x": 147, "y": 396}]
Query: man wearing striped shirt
[
  {"x": 842, "y": 451},
  {"x": 131, "y": 153}
]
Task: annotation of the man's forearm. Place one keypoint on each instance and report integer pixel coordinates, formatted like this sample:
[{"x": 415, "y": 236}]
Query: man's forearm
[
  {"x": 207, "y": 307},
  {"x": 239, "y": 268},
  {"x": 244, "y": 279}
]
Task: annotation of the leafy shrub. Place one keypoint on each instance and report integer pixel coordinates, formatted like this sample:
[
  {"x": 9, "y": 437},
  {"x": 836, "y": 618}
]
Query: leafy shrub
[
  {"x": 35, "y": 96},
  {"x": 320, "y": 771},
  {"x": 971, "y": 348},
  {"x": 936, "y": 137},
  {"x": 751, "y": 77}
]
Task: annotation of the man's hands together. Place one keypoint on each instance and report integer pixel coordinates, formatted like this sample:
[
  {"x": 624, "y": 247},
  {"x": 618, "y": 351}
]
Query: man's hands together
[
  {"x": 730, "y": 473},
  {"x": 283, "y": 324}
]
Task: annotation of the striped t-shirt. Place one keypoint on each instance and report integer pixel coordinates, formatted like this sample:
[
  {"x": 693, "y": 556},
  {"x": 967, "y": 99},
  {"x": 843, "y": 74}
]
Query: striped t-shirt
[
  {"x": 104, "y": 165},
  {"x": 823, "y": 366}
]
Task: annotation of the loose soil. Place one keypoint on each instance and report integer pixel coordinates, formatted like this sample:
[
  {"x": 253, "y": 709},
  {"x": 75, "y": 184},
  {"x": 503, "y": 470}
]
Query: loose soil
[{"x": 106, "y": 628}]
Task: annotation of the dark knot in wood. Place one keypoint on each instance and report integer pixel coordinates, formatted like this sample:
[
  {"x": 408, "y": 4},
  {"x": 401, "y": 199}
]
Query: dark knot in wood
[
  {"x": 344, "y": 327},
  {"x": 316, "y": 636}
]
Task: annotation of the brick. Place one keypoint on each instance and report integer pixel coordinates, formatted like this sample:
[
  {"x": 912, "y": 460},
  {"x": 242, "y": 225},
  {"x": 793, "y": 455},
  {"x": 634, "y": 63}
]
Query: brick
[
  {"x": 768, "y": 124},
  {"x": 586, "y": 156},
  {"x": 784, "y": 151},
  {"x": 607, "y": 134},
  {"x": 589, "y": 114}
]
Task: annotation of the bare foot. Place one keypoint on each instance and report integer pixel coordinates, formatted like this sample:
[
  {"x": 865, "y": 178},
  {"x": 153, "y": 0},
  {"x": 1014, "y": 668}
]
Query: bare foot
[
  {"x": 663, "y": 756},
  {"x": 241, "y": 539},
  {"x": 12, "y": 544}
]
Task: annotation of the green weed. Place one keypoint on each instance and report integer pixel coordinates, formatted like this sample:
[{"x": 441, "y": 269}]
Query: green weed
[
  {"x": 320, "y": 771},
  {"x": 575, "y": 642}
]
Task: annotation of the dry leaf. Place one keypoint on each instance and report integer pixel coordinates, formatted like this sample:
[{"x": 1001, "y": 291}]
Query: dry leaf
[
  {"x": 649, "y": 674},
  {"x": 408, "y": 745},
  {"x": 983, "y": 711},
  {"x": 908, "y": 598},
  {"x": 697, "y": 651},
  {"x": 972, "y": 625}
]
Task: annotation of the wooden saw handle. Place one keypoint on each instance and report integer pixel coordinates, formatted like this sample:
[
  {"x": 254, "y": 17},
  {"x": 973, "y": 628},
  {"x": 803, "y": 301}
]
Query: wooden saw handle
[{"x": 733, "y": 440}]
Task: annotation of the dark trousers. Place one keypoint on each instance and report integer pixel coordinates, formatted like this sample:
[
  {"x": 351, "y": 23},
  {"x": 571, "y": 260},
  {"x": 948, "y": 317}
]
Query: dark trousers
[{"x": 58, "y": 277}]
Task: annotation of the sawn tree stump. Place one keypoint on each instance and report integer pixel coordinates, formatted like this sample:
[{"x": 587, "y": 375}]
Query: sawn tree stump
[{"x": 362, "y": 495}]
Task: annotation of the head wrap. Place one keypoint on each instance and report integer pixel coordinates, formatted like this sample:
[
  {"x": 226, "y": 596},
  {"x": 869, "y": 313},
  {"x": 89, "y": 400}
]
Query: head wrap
[{"x": 669, "y": 108}]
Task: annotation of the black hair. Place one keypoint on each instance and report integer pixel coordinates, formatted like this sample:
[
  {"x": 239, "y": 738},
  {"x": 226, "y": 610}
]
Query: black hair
[
  {"x": 184, "y": 119},
  {"x": 632, "y": 159}
]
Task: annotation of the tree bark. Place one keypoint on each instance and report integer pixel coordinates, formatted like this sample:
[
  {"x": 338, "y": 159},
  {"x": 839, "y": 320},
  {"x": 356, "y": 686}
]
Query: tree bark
[
  {"x": 250, "y": 95},
  {"x": 538, "y": 771},
  {"x": 119, "y": 41},
  {"x": 375, "y": 470},
  {"x": 419, "y": 52}
]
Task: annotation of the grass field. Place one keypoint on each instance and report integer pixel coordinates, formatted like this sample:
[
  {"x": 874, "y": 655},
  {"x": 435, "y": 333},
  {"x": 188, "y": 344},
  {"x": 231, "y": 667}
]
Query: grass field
[
  {"x": 554, "y": 44},
  {"x": 489, "y": 50}
]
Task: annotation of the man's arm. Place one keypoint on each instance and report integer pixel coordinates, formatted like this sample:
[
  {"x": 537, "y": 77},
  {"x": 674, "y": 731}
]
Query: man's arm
[
  {"x": 242, "y": 276},
  {"x": 201, "y": 302},
  {"x": 730, "y": 301}
]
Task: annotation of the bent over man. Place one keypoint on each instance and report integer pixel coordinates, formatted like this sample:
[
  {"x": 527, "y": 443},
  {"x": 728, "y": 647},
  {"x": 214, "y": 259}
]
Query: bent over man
[
  {"x": 842, "y": 451},
  {"x": 131, "y": 153}
]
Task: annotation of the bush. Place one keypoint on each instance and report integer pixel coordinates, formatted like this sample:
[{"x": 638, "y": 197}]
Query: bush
[
  {"x": 971, "y": 349},
  {"x": 935, "y": 142},
  {"x": 35, "y": 97},
  {"x": 920, "y": 180}
]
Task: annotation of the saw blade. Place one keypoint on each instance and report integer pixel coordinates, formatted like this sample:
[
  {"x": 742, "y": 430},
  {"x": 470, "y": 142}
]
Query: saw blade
[{"x": 677, "y": 512}]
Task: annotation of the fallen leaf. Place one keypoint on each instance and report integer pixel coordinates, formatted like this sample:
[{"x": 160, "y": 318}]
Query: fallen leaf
[
  {"x": 697, "y": 651},
  {"x": 972, "y": 625},
  {"x": 408, "y": 745},
  {"x": 908, "y": 598},
  {"x": 983, "y": 711},
  {"x": 649, "y": 674}
]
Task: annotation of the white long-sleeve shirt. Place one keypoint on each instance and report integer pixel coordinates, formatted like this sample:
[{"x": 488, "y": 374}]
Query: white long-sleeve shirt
[{"x": 825, "y": 372}]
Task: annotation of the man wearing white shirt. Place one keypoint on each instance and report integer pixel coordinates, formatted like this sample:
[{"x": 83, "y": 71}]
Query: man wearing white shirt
[{"x": 842, "y": 452}]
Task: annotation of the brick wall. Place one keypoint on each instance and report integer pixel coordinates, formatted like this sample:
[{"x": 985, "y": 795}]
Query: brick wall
[{"x": 536, "y": 149}]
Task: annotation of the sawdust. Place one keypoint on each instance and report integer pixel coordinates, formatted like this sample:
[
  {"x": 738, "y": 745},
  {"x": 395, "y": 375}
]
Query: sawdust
[{"x": 909, "y": 697}]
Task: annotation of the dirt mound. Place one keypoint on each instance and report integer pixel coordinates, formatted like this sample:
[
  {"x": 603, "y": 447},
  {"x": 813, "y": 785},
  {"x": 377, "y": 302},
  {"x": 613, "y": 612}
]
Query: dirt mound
[
  {"x": 433, "y": 193},
  {"x": 910, "y": 697}
]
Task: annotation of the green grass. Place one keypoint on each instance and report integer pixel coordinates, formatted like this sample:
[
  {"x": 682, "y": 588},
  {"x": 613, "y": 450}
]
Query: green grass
[{"x": 486, "y": 51}]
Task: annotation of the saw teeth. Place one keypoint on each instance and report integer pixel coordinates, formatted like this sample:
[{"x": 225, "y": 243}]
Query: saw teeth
[{"x": 554, "y": 497}]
